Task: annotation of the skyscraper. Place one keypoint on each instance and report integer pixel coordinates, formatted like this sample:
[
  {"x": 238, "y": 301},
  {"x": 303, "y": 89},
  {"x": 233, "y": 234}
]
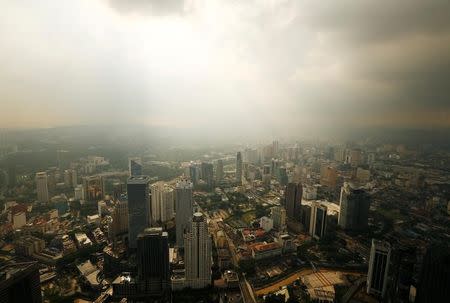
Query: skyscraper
[
  {"x": 275, "y": 148},
  {"x": 184, "y": 209},
  {"x": 293, "y": 200},
  {"x": 219, "y": 170},
  {"x": 153, "y": 259},
  {"x": 119, "y": 220},
  {"x": 135, "y": 166},
  {"x": 193, "y": 172},
  {"x": 239, "y": 168},
  {"x": 266, "y": 176},
  {"x": 318, "y": 220},
  {"x": 138, "y": 207},
  {"x": 207, "y": 173},
  {"x": 282, "y": 175},
  {"x": 162, "y": 202},
  {"x": 20, "y": 283},
  {"x": 197, "y": 253},
  {"x": 328, "y": 176},
  {"x": 42, "y": 187},
  {"x": 434, "y": 278},
  {"x": 279, "y": 217},
  {"x": 354, "y": 207},
  {"x": 377, "y": 276},
  {"x": 305, "y": 217}
]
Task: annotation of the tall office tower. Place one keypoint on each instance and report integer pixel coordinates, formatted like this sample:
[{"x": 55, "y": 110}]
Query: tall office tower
[
  {"x": 68, "y": 178},
  {"x": 197, "y": 253},
  {"x": 20, "y": 283},
  {"x": 42, "y": 187},
  {"x": 293, "y": 200},
  {"x": 135, "y": 166},
  {"x": 138, "y": 207},
  {"x": 207, "y": 173},
  {"x": 74, "y": 178},
  {"x": 193, "y": 173},
  {"x": 153, "y": 259},
  {"x": 282, "y": 175},
  {"x": 354, "y": 207},
  {"x": 328, "y": 176},
  {"x": 119, "y": 220},
  {"x": 79, "y": 192},
  {"x": 275, "y": 164},
  {"x": 318, "y": 221},
  {"x": 377, "y": 276},
  {"x": 93, "y": 188},
  {"x": 279, "y": 217},
  {"x": 266, "y": 176},
  {"x": 339, "y": 154},
  {"x": 184, "y": 209},
  {"x": 162, "y": 202},
  {"x": 275, "y": 148},
  {"x": 403, "y": 260},
  {"x": 355, "y": 157},
  {"x": 219, "y": 170},
  {"x": 434, "y": 278},
  {"x": 305, "y": 218},
  {"x": 239, "y": 168}
]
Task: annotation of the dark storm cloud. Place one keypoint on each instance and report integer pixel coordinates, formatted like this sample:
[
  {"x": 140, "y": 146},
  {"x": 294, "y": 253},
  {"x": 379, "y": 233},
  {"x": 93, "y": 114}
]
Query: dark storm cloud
[
  {"x": 394, "y": 56},
  {"x": 371, "y": 22},
  {"x": 156, "y": 7}
]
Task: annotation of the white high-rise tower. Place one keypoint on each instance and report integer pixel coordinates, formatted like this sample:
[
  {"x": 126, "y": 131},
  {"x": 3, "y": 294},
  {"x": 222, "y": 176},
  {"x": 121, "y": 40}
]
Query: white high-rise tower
[
  {"x": 162, "y": 202},
  {"x": 197, "y": 253},
  {"x": 42, "y": 187}
]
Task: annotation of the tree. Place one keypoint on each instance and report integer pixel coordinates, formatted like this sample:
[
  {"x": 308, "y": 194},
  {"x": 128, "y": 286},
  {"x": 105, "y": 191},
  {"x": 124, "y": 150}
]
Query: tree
[{"x": 247, "y": 266}]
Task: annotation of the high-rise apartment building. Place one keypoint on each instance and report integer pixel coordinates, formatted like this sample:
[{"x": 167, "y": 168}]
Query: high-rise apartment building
[
  {"x": 219, "y": 170},
  {"x": 42, "y": 187},
  {"x": 162, "y": 202},
  {"x": 119, "y": 220},
  {"x": 139, "y": 213},
  {"x": 279, "y": 217},
  {"x": 328, "y": 176},
  {"x": 239, "y": 168},
  {"x": 197, "y": 253},
  {"x": 184, "y": 209}
]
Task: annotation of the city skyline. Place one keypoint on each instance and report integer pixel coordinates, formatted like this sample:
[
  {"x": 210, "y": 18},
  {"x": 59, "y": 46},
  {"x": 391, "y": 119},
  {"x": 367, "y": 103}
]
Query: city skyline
[{"x": 224, "y": 151}]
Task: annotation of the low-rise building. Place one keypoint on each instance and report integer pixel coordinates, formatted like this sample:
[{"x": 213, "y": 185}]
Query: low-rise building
[{"x": 266, "y": 250}]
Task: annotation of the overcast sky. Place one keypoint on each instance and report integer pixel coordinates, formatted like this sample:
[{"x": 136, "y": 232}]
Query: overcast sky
[{"x": 231, "y": 65}]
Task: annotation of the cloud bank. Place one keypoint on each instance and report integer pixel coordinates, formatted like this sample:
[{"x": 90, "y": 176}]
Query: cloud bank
[{"x": 266, "y": 66}]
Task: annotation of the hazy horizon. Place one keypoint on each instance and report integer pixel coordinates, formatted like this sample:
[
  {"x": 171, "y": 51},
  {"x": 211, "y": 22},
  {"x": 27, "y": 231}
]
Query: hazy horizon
[{"x": 226, "y": 67}]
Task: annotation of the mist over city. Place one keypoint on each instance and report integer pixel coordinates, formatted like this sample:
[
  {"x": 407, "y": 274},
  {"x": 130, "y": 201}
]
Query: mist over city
[{"x": 224, "y": 151}]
